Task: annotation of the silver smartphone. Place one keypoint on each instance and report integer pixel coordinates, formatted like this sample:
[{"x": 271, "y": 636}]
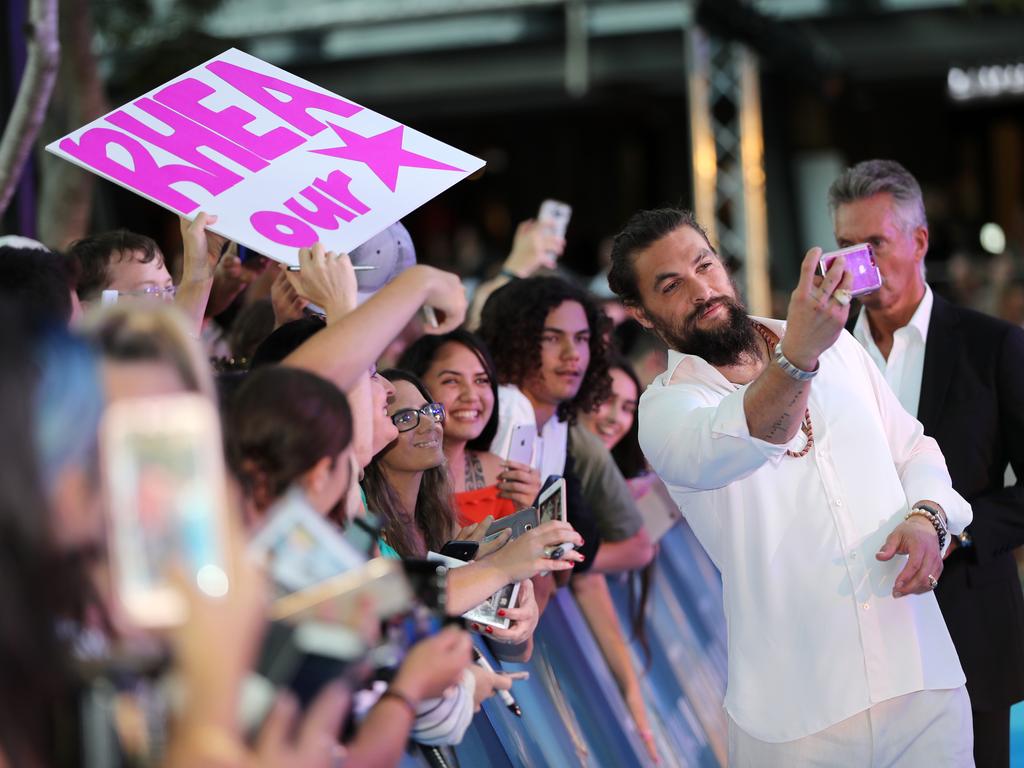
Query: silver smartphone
[{"x": 520, "y": 447}]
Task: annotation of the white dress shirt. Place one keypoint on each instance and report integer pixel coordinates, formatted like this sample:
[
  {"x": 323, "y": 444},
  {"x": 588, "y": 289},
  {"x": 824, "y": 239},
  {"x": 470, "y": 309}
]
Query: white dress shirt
[
  {"x": 905, "y": 366},
  {"x": 815, "y": 635},
  {"x": 549, "y": 451}
]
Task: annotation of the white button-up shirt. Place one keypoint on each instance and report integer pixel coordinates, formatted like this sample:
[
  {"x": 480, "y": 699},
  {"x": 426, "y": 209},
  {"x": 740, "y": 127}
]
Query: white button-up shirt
[
  {"x": 549, "y": 451},
  {"x": 905, "y": 366},
  {"x": 815, "y": 635}
]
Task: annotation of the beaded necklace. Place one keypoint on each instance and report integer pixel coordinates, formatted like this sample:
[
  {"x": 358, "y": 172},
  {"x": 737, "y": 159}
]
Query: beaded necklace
[{"x": 808, "y": 429}]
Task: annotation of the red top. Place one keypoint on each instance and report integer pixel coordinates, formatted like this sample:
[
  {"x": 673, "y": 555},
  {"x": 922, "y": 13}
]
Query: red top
[{"x": 474, "y": 506}]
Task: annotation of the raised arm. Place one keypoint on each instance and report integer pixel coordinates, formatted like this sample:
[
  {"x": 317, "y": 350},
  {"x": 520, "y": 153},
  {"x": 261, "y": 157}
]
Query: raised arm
[
  {"x": 775, "y": 402},
  {"x": 347, "y": 348},
  {"x": 532, "y": 249},
  {"x": 703, "y": 444},
  {"x": 202, "y": 250}
]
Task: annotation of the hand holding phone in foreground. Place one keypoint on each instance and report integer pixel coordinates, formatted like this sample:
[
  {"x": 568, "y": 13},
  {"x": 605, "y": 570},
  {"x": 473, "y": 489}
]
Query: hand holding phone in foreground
[
  {"x": 524, "y": 617},
  {"x": 525, "y": 557},
  {"x": 164, "y": 480}
]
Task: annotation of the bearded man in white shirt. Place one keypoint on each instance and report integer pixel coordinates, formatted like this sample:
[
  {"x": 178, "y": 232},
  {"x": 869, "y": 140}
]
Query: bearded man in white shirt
[
  {"x": 961, "y": 373},
  {"x": 819, "y": 498}
]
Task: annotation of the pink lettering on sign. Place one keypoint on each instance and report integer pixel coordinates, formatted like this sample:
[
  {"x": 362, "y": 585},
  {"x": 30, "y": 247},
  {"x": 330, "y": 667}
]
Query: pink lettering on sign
[
  {"x": 144, "y": 175},
  {"x": 337, "y": 186},
  {"x": 283, "y": 229},
  {"x": 383, "y": 154},
  {"x": 324, "y": 213},
  {"x": 186, "y": 96},
  {"x": 185, "y": 139},
  {"x": 294, "y": 107}
]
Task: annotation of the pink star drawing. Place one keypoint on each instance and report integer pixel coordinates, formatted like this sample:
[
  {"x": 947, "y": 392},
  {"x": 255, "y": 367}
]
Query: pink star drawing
[{"x": 382, "y": 153}]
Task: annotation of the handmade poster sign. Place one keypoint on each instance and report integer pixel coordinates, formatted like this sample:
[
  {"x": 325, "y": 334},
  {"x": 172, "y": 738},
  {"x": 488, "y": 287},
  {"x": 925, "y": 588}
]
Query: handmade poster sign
[{"x": 282, "y": 162}]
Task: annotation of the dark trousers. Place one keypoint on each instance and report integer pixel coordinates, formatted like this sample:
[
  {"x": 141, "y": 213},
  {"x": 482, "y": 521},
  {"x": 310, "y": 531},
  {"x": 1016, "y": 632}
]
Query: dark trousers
[{"x": 992, "y": 738}]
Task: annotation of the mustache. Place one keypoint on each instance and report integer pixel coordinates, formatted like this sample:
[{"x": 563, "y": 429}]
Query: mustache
[{"x": 691, "y": 319}]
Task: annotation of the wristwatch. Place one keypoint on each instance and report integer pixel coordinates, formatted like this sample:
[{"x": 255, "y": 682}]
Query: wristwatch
[{"x": 789, "y": 369}]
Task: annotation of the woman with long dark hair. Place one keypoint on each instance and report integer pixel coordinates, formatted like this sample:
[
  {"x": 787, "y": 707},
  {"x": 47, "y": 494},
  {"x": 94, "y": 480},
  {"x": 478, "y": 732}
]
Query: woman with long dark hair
[
  {"x": 407, "y": 485},
  {"x": 459, "y": 371}
]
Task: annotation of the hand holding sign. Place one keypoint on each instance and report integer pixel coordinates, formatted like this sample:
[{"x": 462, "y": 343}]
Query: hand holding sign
[
  {"x": 202, "y": 248},
  {"x": 325, "y": 279}
]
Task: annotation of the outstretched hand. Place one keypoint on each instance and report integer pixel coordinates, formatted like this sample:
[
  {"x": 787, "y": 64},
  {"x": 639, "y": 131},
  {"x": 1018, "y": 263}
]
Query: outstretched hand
[
  {"x": 916, "y": 538},
  {"x": 533, "y": 248},
  {"x": 817, "y": 311}
]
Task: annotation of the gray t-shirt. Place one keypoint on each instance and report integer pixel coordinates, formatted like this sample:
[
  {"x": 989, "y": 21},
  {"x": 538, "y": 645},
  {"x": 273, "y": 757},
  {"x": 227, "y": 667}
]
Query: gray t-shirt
[{"x": 604, "y": 487}]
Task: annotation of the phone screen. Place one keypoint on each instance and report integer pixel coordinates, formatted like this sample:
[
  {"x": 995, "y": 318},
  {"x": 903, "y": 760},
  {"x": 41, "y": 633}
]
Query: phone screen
[{"x": 164, "y": 476}]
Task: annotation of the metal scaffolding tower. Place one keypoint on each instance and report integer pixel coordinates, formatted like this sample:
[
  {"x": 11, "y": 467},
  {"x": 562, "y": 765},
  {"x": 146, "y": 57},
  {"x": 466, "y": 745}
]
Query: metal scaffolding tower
[{"x": 727, "y": 145}]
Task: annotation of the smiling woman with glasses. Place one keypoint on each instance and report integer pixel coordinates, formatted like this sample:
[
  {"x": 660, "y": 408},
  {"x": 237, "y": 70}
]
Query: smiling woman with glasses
[
  {"x": 407, "y": 419},
  {"x": 407, "y": 482}
]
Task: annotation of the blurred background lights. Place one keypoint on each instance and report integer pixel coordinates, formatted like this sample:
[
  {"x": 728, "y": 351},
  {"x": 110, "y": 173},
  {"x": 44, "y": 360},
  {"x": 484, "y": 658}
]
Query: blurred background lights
[{"x": 993, "y": 239}]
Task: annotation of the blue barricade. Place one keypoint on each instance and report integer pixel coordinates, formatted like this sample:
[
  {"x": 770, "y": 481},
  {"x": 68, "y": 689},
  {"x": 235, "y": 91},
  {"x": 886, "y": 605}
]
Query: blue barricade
[{"x": 573, "y": 713}]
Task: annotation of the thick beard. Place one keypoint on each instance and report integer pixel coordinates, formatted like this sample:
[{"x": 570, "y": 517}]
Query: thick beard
[{"x": 724, "y": 345}]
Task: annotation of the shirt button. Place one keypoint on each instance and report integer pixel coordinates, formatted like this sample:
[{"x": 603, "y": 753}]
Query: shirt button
[
  {"x": 866, "y": 606},
  {"x": 853, "y": 555},
  {"x": 839, "y": 502}
]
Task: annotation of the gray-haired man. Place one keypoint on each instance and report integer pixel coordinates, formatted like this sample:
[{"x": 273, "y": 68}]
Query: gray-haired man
[{"x": 961, "y": 374}]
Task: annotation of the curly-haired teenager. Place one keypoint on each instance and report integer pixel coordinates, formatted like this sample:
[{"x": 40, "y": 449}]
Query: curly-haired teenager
[{"x": 548, "y": 340}]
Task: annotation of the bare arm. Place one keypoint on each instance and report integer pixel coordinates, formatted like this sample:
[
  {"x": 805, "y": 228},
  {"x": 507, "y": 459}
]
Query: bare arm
[
  {"x": 775, "y": 402},
  {"x": 201, "y": 252},
  {"x": 629, "y": 554},
  {"x": 521, "y": 559},
  {"x": 532, "y": 249},
  {"x": 595, "y": 601},
  {"x": 346, "y": 349}
]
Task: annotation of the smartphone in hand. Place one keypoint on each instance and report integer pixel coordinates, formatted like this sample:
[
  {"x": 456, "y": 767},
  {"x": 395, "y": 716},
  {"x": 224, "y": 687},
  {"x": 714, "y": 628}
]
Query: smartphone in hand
[
  {"x": 554, "y": 217},
  {"x": 860, "y": 263},
  {"x": 520, "y": 447},
  {"x": 164, "y": 480}
]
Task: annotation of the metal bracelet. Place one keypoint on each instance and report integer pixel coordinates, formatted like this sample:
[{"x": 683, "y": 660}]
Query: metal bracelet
[{"x": 791, "y": 370}]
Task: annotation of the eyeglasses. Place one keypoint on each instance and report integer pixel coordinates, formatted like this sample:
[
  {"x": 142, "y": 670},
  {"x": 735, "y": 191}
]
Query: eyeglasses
[
  {"x": 409, "y": 418},
  {"x": 152, "y": 292}
]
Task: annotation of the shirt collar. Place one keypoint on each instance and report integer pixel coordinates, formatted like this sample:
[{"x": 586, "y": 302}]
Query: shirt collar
[
  {"x": 919, "y": 321},
  {"x": 681, "y": 365}
]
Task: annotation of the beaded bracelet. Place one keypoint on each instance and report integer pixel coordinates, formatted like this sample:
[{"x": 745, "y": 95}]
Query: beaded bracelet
[{"x": 934, "y": 519}]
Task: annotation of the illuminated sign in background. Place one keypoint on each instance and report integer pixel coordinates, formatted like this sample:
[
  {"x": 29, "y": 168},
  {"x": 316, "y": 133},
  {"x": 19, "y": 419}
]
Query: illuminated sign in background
[{"x": 986, "y": 82}]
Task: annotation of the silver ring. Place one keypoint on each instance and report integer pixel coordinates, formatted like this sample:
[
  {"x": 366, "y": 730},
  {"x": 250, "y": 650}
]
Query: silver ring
[
  {"x": 842, "y": 296},
  {"x": 932, "y": 582}
]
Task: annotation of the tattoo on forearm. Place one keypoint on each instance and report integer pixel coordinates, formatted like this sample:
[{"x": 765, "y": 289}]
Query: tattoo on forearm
[{"x": 780, "y": 425}]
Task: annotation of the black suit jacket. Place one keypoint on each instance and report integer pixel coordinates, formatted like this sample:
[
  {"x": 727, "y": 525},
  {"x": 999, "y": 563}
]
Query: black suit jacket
[{"x": 972, "y": 403}]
